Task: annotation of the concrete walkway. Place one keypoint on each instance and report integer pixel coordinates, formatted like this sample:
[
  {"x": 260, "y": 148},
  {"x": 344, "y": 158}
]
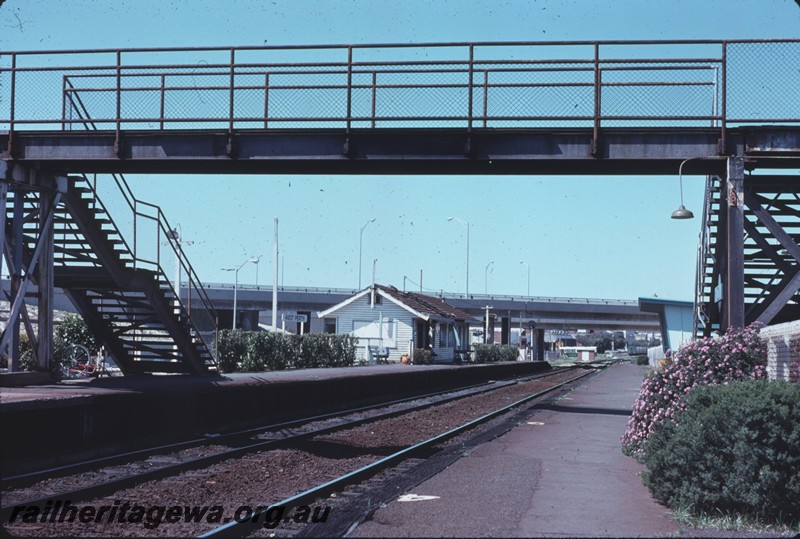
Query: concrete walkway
[{"x": 559, "y": 474}]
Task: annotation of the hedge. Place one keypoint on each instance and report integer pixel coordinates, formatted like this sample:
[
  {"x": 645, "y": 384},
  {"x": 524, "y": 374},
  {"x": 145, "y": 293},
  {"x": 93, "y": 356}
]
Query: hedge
[
  {"x": 493, "y": 353},
  {"x": 253, "y": 351}
]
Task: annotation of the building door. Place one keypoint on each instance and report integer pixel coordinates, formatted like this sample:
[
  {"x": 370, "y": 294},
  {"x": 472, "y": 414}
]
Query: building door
[{"x": 421, "y": 334}]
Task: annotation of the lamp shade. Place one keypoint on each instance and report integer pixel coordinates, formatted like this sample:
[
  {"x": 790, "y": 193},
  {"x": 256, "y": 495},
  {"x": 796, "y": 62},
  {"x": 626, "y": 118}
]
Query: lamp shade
[{"x": 682, "y": 213}]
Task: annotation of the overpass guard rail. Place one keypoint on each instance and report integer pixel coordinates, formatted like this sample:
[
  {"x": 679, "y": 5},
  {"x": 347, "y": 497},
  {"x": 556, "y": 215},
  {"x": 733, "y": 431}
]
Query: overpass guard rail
[{"x": 697, "y": 83}]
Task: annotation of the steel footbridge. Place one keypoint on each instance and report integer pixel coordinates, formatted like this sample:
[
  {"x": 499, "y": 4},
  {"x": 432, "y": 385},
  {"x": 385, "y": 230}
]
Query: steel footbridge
[{"x": 72, "y": 123}]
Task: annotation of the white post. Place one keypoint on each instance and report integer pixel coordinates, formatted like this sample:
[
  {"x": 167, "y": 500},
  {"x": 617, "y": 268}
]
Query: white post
[
  {"x": 235, "y": 290},
  {"x": 486, "y": 331},
  {"x": 275, "y": 281},
  {"x": 380, "y": 328}
]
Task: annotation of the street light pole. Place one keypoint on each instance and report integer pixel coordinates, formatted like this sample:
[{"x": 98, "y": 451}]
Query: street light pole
[
  {"x": 529, "y": 276},
  {"x": 466, "y": 225},
  {"x": 253, "y": 260},
  {"x": 486, "y": 277},
  {"x": 360, "y": 242},
  {"x": 275, "y": 278}
]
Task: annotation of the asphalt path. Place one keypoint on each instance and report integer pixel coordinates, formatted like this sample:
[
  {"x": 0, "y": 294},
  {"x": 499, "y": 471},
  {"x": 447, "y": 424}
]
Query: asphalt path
[{"x": 560, "y": 473}]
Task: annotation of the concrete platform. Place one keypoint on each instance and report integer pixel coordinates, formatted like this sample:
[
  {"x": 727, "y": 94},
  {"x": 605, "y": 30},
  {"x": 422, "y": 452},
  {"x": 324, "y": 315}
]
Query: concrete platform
[
  {"x": 93, "y": 416},
  {"x": 559, "y": 474}
]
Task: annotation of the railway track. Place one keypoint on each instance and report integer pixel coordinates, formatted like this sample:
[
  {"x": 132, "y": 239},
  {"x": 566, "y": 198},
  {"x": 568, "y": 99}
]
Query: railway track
[
  {"x": 268, "y": 465},
  {"x": 237, "y": 436}
]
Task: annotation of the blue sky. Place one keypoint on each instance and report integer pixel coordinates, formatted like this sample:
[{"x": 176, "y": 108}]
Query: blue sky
[{"x": 603, "y": 236}]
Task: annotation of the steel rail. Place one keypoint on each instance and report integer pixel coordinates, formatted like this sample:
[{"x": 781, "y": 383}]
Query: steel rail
[
  {"x": 234, "y": 527},
  {"x": 60, "y": 471}
]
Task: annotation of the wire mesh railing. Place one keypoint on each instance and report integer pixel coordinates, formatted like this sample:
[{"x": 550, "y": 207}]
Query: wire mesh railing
[{"x": 462, "y": 85}]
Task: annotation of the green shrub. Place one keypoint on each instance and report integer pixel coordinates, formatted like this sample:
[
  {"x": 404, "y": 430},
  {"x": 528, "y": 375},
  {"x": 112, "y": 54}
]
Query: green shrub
[
  {"x": 422, "y": 356},
  {"x": 343, "y": 350},
  {"x": 27, "y": 361},
  {"x": 259, "y": 348},
  {"x": 254, "y": 351},
  {"x": 740, "y": 354},
  {"x": 231, "y": 349},
  {"x": 492, "y": 353},
  {"x": 508, "y": 352},
  {"x": 282, "y": 352},
  {"x": 74, "y": 330},
  {"x": 312, "y": 351},
  {"x": 734, "y": 449},
  {"x": 484, "y": 353}
]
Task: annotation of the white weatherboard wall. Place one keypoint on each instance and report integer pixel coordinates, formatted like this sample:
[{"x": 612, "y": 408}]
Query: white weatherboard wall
[
  {"x": 354, "y": 316},
  {"x": 680, "y": 325},
  {"x": 783, "y": 351}
]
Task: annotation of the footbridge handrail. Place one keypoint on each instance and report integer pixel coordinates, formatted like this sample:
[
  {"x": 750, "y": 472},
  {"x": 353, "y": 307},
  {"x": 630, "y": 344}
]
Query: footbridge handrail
[{"x": 591, "y": 84}]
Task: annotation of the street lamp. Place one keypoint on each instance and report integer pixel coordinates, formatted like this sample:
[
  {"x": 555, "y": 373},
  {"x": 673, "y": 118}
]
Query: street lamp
[
  {"x": 682, "y": 212},
  {"x": 486, "y": 277},
  {"x": 360, "y": 242},
  {"x": 236, "y": 283},
  {"x": 466, "y": 225},
  {"x": 255, "y": 260},
  {"x": 529, "y": 276}
]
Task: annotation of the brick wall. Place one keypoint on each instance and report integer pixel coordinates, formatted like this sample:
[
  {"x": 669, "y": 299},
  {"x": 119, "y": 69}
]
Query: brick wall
[{"x": 783, "y": 351}]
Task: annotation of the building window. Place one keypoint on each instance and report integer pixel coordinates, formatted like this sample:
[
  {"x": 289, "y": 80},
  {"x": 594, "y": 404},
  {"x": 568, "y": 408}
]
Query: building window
[{"x": 330, "y": 325}]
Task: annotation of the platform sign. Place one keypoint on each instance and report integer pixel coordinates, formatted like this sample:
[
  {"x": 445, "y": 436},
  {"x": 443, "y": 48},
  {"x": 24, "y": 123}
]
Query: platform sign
[{"x": 292, "y": 317}]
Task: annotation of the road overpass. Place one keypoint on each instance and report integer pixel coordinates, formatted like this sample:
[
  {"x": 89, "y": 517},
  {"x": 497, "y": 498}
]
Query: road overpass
[{"x": 254, "y": 305}]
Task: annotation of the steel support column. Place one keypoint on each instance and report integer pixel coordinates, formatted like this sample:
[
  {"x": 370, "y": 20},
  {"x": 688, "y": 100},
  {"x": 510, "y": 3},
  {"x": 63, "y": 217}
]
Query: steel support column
[
  {"x": 15, "y": 273},
  {"x": 44, "y": 270},
  {"x": 734, "y": 282},
  {"x": 3, "y": 201},
  {"x": 537, "y": 338}
]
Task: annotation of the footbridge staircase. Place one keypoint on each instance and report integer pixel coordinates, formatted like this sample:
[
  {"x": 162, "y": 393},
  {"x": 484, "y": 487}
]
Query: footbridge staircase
[
  {"x": 112, "y": 267},
  {"x": 768, "y": 256}
]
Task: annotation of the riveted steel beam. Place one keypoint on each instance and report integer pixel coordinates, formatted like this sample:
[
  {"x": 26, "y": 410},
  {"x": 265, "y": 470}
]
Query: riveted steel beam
[{"x": 641, "y": 151}]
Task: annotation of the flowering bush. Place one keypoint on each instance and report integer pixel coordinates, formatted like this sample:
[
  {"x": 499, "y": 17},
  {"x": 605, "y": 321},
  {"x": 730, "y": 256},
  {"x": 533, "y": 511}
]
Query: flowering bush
[{"x": 738, "y": 355}]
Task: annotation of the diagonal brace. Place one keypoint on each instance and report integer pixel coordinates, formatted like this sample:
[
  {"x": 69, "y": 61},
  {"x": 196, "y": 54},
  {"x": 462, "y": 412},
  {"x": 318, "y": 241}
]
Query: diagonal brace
[{"x": 20, "y": 299}]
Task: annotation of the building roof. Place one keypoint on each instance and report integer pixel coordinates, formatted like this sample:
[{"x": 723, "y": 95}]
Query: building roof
[
  {"x": 432, "y": 306},
  {"x": 419, "y": 305}
]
